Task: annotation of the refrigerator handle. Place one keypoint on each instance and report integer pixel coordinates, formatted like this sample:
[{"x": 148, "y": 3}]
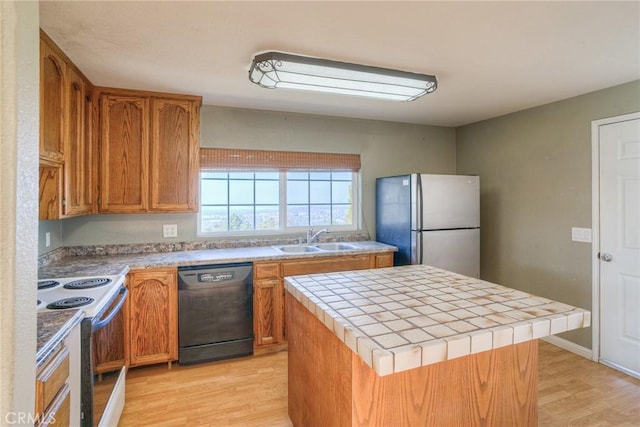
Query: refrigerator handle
[
  {"x": 419, "y": 206},
  {"x": 419, "y": 247}
]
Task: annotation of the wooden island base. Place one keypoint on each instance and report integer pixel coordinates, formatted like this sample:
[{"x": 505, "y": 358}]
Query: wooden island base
[{"x": 329, "y": 385}]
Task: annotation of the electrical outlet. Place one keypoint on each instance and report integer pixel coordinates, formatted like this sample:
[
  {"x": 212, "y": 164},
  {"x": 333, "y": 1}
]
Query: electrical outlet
[
  {"x": 47, "y": 239},
  {"x": 581, "y": 234},
  {"x": 170, "y": 230}
]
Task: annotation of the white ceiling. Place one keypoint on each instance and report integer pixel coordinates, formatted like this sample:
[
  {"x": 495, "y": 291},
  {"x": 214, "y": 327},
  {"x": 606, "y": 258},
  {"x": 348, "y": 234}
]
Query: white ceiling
[{"x": 490, "y": 58}]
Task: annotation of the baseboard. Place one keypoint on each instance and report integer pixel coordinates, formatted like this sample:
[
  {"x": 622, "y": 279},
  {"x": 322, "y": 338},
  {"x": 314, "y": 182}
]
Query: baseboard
[{"x": 569, "y": 346}]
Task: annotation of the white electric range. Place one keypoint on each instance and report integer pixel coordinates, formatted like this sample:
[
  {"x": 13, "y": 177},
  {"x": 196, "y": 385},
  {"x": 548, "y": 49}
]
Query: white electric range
[
  {"x": 90, "y": 294},
  {"x": 102, "y": 300}
]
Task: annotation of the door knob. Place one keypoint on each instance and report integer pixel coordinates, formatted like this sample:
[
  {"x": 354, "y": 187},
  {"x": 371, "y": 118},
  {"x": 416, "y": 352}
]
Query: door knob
[{"x": 606, "y": 257}]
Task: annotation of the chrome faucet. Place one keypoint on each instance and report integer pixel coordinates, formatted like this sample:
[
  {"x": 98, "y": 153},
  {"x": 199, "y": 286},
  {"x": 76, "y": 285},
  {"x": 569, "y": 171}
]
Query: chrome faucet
[{"x": 311, "y": 237}]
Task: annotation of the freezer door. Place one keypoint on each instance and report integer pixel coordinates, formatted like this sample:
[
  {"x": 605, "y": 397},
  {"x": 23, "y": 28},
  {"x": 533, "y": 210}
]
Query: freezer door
[
  {"x": 393, "y": 215},
  {"x": 453, "y": 250},
  {"x": 442, "y": 202}
]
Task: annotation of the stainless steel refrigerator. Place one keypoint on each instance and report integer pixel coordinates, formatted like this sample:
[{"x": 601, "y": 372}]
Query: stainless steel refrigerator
[{"x": 432, "y": 219}]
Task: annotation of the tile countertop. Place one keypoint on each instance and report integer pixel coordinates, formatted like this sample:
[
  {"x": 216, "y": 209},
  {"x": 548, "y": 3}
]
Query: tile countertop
[
  {"x": 101, "y": 265},
  {"x": 405, "y": 317},
  {"x": 53, "y": 328}
]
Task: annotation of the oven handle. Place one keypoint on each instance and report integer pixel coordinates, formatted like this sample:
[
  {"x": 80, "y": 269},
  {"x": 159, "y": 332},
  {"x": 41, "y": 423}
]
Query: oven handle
[{"x": 104, "y": 322}]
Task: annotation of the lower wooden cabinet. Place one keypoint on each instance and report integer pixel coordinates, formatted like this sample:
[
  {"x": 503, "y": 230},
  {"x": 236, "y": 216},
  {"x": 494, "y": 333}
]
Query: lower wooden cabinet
[
  {"x": 59, "y": 413},
  {"x": 268, "y": 321},
  {"x": 111, "y": 343},
  {"x": 153, "y": 305},
  {"x": 382, "y": 260},
  {"x": 52, "y": 390},
  {"x": 326, "y": 265},
  {"x": 153, "y": 316},
  {"x": 269, "y": 311}
]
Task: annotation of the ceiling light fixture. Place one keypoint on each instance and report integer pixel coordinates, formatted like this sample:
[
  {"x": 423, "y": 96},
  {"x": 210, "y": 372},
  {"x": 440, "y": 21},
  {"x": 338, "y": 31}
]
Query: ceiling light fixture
[{"x": 282, "y": 70}]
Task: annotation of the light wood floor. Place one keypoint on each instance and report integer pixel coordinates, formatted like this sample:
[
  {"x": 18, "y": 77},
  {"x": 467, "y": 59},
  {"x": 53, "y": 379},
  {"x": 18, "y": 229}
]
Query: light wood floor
[{"x": 573, "y": 391}]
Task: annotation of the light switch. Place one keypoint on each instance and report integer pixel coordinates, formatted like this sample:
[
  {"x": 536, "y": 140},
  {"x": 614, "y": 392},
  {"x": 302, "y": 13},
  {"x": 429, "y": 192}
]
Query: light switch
[
  {"x": 170, "y": 230},
  {"x": 581, "y": 234},
  {"x": 47, "y": 239}
]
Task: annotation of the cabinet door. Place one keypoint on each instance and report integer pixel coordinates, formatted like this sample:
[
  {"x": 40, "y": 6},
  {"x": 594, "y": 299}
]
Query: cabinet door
[
  {"x": 52, "y": 103},
  {"x": 74, "y": 159},
  {"x": 124, "y": 153},
  {"x": 153, "y": 316},
  {"x": 51, "y": 187},
  {"x": 268, "y": 309},
  {"x": 91, "y": 156},
  {"x": 174, "y": 155},
  {"x": 267, "y": 312}
]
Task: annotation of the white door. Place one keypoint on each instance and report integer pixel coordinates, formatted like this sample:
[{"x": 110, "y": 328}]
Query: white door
[{"x": 620, "y": 245}]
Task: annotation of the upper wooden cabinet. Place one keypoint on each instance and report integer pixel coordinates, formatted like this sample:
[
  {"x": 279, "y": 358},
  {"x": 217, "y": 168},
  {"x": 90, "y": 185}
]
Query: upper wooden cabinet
[
  {"x": 113, "y": 150},
  {"x": 149, "y": 147},
  {"x": 53, "y": 89},
  {"x": 124, "y": 153},
  {"x": 66, "y": 145},
  {"x": 175, "y": 144},
  {"x": 77, "y": 158}
]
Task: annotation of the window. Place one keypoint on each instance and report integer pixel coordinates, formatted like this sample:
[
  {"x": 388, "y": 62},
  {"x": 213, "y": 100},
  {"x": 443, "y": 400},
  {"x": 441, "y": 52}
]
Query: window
[
  {"x": 239, "y": 201},
  {"x": 320, "y": 198},
  {"x": 271, "y": 201}
]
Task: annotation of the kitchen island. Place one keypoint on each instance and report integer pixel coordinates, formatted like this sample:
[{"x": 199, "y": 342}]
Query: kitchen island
[{"x": 415, "y": 345}]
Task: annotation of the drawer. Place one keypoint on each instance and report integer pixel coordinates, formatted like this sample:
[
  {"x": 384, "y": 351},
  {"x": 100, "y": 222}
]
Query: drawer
[
  {"x": 267, "y": 270},
  {"x": 59, "y": 414},
  {"x": 383, "y": 260},
  {"x": 51, "y": 378},
  {"x": 326, "y": 265}
]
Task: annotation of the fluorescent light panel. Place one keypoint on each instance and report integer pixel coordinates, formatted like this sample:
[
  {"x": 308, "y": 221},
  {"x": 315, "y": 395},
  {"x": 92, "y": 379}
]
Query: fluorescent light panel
[{"x": 282, "y": 70}]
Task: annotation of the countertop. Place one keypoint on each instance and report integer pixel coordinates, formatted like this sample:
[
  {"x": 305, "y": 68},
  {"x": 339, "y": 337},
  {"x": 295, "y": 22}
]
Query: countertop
[
  {"x": 107, "y": 265},
  {"x": 405, "y": 317},
  {"x": 53, "y": 328}
]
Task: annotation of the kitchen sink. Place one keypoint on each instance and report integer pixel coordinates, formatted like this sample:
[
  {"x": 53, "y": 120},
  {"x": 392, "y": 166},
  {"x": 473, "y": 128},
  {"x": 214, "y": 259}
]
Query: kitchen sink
[
  {"x": 296, "y": 249},
  {"x": 318, "y": 247},
  {"x": 335, "y": 246}
]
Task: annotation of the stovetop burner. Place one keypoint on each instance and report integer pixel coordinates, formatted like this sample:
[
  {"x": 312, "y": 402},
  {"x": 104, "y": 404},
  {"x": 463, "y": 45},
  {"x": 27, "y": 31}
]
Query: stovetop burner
[
  {"x": 90, "y": 293},
  {"x": 70, "y": 303},
  {"x": 87, "y": 283},
  {"x": 46, "y": 284}
]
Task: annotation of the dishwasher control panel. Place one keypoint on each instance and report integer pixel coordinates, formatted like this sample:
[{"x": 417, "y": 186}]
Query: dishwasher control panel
[
  {"x": 215, "y": 277},
  {"x": 198, "y": 276}
]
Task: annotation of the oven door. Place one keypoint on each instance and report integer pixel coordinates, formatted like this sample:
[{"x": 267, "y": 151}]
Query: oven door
[{"x": 107, "y": 365}]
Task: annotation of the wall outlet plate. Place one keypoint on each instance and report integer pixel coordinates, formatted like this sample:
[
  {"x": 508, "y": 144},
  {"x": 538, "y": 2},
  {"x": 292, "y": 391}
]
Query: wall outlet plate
[
  {"x": 581, "y": 234},
  {"x": 170, "y": 230}
]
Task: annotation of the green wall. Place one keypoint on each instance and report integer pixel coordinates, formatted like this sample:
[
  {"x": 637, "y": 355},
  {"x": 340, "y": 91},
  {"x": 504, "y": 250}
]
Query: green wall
[
  {"x": 534, "y": 168},
  {"x": 386, "y": 148},
  {"x": 535, "y": 181}
]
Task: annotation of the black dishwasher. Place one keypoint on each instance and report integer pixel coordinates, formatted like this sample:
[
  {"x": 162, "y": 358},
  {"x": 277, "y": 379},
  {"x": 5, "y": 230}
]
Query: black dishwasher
[{"x": 215, "y": 312}]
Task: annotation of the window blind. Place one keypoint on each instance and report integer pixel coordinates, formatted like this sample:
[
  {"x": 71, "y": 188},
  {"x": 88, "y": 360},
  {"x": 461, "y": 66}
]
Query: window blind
[{"x": 232, "y": 158}]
